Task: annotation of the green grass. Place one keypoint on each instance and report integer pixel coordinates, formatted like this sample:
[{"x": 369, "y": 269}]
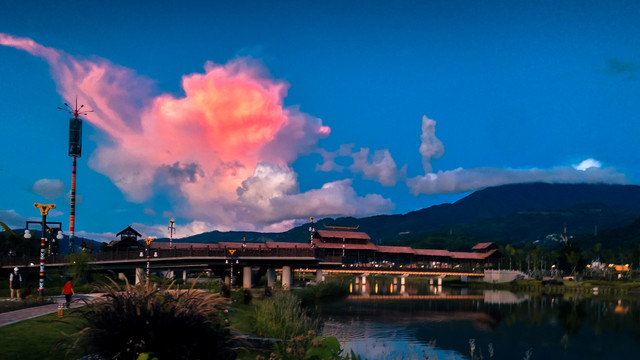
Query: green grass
[{"x": 39, "y": 338}]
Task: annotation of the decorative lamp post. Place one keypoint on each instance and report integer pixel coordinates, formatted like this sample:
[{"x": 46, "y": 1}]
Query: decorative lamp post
[
  {"x": 311, "y": 230},
  {"x": 230, "y": 261},
  {"x": 171, "y": 231},
  {"x": 44, "y": 209},
  {"x": 148, "y": 241}
]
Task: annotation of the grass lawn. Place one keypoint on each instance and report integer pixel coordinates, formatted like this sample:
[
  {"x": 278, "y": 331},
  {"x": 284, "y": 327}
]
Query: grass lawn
[{"x": 39, "y": 338}]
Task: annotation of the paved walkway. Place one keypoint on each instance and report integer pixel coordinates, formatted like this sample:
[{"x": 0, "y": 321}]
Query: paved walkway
[{"x": 15, "y": 316}]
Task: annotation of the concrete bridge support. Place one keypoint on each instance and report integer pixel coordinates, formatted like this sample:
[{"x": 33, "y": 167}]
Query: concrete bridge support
[
  {"x": 184, "y": 276},
  {"x": 271, "y": 276},
  {"x": 319, "y": 276},
  {"x": 286, "y": 277},
  {"x": 246, "y": 277}
]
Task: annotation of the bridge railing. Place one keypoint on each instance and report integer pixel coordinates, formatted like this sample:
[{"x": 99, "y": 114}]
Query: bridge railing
[{"x": 137, "y": 254}]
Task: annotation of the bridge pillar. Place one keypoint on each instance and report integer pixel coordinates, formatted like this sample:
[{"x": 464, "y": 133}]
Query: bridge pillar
[
  {"x": 140, "y": 275},
  {"x": 271, "y": 276},
  {"x": 286, "y": 277},
  {"x": 364, "y": 279},
  {"x": 184, "y": 276},
  {"x": 439, "y": 281},
  {"x": 246, "y": 277},
  {"x": 319, "y": 276},
  {"x": 430, "y": 281}
]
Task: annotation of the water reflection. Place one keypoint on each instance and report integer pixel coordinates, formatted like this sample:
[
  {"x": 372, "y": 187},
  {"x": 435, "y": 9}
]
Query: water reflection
[{"x": 386, "y": 321}]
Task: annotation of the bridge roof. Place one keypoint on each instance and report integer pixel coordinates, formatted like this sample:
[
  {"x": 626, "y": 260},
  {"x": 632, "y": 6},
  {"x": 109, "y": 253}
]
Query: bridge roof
[
  {"x": 334, "y": 234},
  {"x": 430, "y": 252},
  {"x": 347, "y": 246},
  {"x": 484, "y": 246},
  {"x": 396, "y": 249},
  {"x": 472, "y": 255}
]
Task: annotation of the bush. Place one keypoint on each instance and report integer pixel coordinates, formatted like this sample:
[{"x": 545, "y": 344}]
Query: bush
[
  {"x": 281, "y": 316},
  {"x": 152, "y": 318},
  {"x": 242, "y": 296},
  {"x": 309, "y": 294}
]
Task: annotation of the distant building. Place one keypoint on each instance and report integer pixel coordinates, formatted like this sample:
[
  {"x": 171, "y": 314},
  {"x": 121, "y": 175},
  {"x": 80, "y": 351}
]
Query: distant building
[{"x": 128, "y": 240}]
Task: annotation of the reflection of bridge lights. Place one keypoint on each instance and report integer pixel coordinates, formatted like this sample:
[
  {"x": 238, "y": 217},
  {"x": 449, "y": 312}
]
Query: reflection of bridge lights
[
  {"x": 391, "y": 288},
  {"x": 376, "y": 288},
  {"x": 350, "y": 288}
]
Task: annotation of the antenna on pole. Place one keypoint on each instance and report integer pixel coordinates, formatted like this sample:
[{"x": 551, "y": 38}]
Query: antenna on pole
[
  {"x": 75, "y": 111},
  {"x": 75, "y": 151}
]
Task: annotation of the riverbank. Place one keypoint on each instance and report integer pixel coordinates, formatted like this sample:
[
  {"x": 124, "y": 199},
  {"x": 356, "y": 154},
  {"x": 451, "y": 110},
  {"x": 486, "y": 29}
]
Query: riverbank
[{"x": 586, "y": 288}]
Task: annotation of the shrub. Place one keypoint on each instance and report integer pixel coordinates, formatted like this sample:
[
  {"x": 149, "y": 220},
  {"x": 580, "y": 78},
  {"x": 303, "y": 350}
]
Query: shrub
[
  {"x": 309, "y": 294},
  {"x": 281, "y": 316},
  {"x": 242, "y": 296},
  {"x": 152, "y": 318}
]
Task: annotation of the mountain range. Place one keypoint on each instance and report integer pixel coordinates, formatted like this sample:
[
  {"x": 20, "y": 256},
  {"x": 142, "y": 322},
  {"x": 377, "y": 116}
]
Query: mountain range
[{"x": 519, "y": 213}]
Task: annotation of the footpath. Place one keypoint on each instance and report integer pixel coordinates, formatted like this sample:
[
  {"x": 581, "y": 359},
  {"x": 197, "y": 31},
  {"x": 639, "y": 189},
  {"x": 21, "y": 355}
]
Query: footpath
[{"x": 15, "y": 316}]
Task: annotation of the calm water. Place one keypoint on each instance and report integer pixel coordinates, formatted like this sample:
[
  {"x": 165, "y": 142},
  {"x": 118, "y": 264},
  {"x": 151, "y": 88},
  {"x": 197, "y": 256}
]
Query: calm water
[{"x": 437, "y": 323}]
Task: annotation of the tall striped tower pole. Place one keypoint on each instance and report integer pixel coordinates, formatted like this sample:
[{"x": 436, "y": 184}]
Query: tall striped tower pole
[
  {"x": 72, "y": 212},
  {"x": 75, "y": 151}
]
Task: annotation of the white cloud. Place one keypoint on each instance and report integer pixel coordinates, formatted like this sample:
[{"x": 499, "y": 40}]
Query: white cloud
[
  {"x": 382, "y": 168},
  {"x": 48, "y": 188},
  {"x": 587, "y": 164},
  {"x": 463, "y": 180},
  {"x": 272, "y": 196},
  {"x": 104, "y": 237},
  {"x": 12, "y": 219},
  {"x": 430, "y": 146}
]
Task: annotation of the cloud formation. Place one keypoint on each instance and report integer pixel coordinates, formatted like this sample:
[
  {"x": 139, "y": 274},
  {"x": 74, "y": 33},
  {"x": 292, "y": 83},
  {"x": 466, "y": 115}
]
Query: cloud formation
[
  {"x": 380, "y": 167},
  {"x": 463, "y": 180},
  {"x": 48, "y": 188},
  {"x": 226, "y": 145}
]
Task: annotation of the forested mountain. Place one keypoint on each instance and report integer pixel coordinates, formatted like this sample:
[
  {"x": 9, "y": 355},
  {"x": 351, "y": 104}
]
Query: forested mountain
[{"x": 504, "y": 214}]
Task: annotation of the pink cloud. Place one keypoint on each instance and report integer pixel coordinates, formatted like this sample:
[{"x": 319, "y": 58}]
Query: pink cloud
[{"x": 208, "y": 143}]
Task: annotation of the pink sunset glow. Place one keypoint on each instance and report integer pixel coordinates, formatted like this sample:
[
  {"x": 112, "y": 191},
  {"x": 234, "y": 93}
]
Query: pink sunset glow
[{"x": 207, "y": 143}]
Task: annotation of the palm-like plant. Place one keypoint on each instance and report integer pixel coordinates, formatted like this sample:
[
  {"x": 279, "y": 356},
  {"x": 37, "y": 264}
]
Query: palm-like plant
[{"x": 150, "y": 318}]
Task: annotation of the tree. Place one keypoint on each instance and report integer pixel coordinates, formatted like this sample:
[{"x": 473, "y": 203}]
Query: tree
[
  {"x": 571, "y": 257},
  {"x": 79, "y": 267},
  {"x": 511, "y": 251}
]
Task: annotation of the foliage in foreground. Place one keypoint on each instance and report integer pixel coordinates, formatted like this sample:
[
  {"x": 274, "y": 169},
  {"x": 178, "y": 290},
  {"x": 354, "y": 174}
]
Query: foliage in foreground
[
  {"x": 281, "y": 316},
  {"x": 151, "y": 318}
]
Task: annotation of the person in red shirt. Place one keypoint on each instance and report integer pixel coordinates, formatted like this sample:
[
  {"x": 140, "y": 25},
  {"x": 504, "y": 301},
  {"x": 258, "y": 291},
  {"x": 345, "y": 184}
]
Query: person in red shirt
[{"x": 67, "y": 290}]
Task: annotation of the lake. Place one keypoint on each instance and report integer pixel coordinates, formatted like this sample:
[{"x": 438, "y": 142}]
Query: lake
[{"x": 389, "y": 321}]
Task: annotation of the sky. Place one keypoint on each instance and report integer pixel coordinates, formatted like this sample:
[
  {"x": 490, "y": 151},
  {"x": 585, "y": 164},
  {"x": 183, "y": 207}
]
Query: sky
[{"x": 256, "y": 115}]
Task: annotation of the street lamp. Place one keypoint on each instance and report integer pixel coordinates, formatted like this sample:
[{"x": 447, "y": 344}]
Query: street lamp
[
  {"x": 311, "y": 230},
  {"x": 50, "y": 227},
  {"x": 229, "y": 261},
  {"x": 171, "y": 231},
  {"x": 148, "y": 241},
  {"x": 44, "y": 209}
]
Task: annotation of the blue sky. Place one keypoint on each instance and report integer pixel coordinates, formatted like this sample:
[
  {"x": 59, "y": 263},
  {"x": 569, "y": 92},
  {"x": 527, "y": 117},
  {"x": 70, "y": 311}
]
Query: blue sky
[{"x": 255, "y": 115}]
